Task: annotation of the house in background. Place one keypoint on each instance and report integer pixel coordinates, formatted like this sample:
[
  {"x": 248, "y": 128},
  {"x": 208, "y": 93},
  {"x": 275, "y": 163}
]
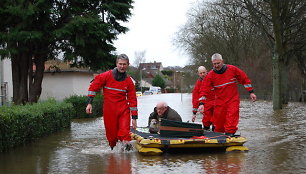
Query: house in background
[
  {"x": 146, "y": 82},
  {"x": 155, "y": 66},
  {"x": 148, "y": 71},
  {"x": 59, "y": 82}
]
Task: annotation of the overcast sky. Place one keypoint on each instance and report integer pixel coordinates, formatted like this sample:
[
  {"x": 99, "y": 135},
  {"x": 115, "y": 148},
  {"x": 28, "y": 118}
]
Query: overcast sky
[{"x": 152, "y": 28}]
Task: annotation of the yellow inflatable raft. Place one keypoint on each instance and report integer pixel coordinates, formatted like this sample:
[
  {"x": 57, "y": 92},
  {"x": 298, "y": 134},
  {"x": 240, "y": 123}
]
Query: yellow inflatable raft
[{"x": 154, "y": 144}]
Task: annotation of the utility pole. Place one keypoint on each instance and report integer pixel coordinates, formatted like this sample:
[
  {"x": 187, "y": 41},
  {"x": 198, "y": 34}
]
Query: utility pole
[
  {"x": 174, "y": 80},
  {"x": 140, "y": 80},
  {"x": 182, "y": 75},
  {"x": 140, "y": 84}
]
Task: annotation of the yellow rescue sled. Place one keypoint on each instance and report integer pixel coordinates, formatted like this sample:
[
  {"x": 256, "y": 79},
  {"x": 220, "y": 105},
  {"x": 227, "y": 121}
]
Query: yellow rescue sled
[{"x": 154, "y": 144}]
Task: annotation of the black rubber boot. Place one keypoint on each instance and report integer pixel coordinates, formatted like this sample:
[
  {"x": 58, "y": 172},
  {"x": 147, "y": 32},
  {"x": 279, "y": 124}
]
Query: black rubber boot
[
  {"x": 206, "y": 128},
  {"x": 128, "y": 147}
]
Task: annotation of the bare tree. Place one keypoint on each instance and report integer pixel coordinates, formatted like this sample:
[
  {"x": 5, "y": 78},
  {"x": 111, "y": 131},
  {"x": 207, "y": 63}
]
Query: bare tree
[
  {"x": 283, "y": 22},
  {"x": 211, "y": 29},
  {"x": 248, "y": 32},
  {"x": 140, "y": 57}
]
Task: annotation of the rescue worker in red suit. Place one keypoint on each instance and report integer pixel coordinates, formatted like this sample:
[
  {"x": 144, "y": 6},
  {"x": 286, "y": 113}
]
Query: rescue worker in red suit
[
  {"x": 224, "y": 78},
  {"x": 120, "y": 102},
  {"x": 209, "y": 102}
]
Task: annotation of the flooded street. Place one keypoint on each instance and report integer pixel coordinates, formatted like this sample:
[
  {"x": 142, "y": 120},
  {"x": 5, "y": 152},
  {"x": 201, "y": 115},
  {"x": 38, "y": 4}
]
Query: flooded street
[{"x": 277, "y": 143}]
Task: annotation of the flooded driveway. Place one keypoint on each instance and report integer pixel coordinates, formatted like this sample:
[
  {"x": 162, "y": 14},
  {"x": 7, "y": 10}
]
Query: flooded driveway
[{"x": 277, "y": 143}]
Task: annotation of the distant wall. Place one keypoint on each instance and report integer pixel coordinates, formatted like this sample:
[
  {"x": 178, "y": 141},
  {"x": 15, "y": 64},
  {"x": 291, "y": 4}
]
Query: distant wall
[
  {"x": 7, "y": 78},
  {"x": 61, "y": 85},
  {"x": 58, "y": 85}
]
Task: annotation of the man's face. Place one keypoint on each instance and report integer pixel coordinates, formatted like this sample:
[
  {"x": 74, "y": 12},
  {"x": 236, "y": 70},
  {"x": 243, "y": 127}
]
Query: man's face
[
  {"x": 217, "y": 64},
  {"x": 122, "y": 65},
  {"x": 160, "y": 110},
  {"x": 202, "y": 73}
]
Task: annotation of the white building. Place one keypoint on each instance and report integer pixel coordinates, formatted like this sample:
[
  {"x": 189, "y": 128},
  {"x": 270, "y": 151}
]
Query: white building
[
  {"x": 61, "y": 85},
  {"x": 57, "y": 85},
  {"x": 6, "y": 91}
]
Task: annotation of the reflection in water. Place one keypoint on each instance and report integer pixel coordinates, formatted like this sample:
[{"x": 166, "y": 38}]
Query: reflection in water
[
  {"x": 209, "y": 162},
  {"x": 230, "y": 163},
  {"x": 118, "y": 164},
  {"x": 276, "y": 141}
]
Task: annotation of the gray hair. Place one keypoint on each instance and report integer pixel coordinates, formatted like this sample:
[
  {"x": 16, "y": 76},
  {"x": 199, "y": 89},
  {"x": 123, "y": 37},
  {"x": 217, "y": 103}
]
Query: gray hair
[
  {"x": 216, "y": 56},
  {"x": 162, "y": 103},
  {"x": 123, "y": 57}
]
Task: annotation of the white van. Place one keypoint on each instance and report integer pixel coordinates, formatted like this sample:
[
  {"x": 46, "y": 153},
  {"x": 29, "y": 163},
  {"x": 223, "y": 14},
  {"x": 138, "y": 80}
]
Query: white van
[{"x": 155, "y": 89}]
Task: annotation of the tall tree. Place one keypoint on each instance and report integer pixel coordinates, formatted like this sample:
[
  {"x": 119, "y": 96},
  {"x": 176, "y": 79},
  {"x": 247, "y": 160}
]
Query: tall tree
[
  {"x": 283, "y": 22},
  {"x": 33, "y": 31},
  {"x": 159, "y": 81}
]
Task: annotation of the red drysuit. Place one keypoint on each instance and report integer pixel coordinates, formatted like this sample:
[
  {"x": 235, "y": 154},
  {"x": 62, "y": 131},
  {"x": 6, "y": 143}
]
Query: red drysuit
[
  {"x": 226, "y": 111},
  {"x": 119, "y": 103},
  {"x": 209, "y": 103}
]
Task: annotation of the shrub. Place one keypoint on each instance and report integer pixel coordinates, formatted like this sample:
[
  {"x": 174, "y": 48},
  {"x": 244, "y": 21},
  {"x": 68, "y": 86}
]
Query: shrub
[
  {"x": 79, "y": 104},
  {"x": 21, "y": 124}
]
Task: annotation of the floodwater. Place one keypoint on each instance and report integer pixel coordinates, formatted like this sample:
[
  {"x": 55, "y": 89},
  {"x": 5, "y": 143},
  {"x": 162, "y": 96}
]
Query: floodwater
[{"x": 276, "y": 139}]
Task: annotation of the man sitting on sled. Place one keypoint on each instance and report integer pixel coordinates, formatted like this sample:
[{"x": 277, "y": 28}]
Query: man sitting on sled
[{"x": 162, "y": 110}]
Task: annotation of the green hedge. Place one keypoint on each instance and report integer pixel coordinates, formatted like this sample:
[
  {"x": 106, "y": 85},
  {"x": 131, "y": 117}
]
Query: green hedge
[
  {"x": 79, "y": 104},
  {"x": 22, "y": 124}
]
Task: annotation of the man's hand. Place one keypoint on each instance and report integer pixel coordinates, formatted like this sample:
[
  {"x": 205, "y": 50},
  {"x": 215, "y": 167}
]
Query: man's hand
[
  {"x": 134, "y": 123},
  {"x": 89, "y": 109},
  {"x": 193, "y": 117},
  {"x": 253, "y": 97},
  {"x": 201, "y": 109}
]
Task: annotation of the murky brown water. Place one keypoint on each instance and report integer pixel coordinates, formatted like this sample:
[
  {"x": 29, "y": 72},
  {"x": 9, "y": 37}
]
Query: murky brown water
[{"x": 277, "y": 143}]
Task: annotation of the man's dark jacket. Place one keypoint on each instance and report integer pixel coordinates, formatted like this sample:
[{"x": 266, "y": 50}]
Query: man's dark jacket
[{"x": 169, "y": 114}]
